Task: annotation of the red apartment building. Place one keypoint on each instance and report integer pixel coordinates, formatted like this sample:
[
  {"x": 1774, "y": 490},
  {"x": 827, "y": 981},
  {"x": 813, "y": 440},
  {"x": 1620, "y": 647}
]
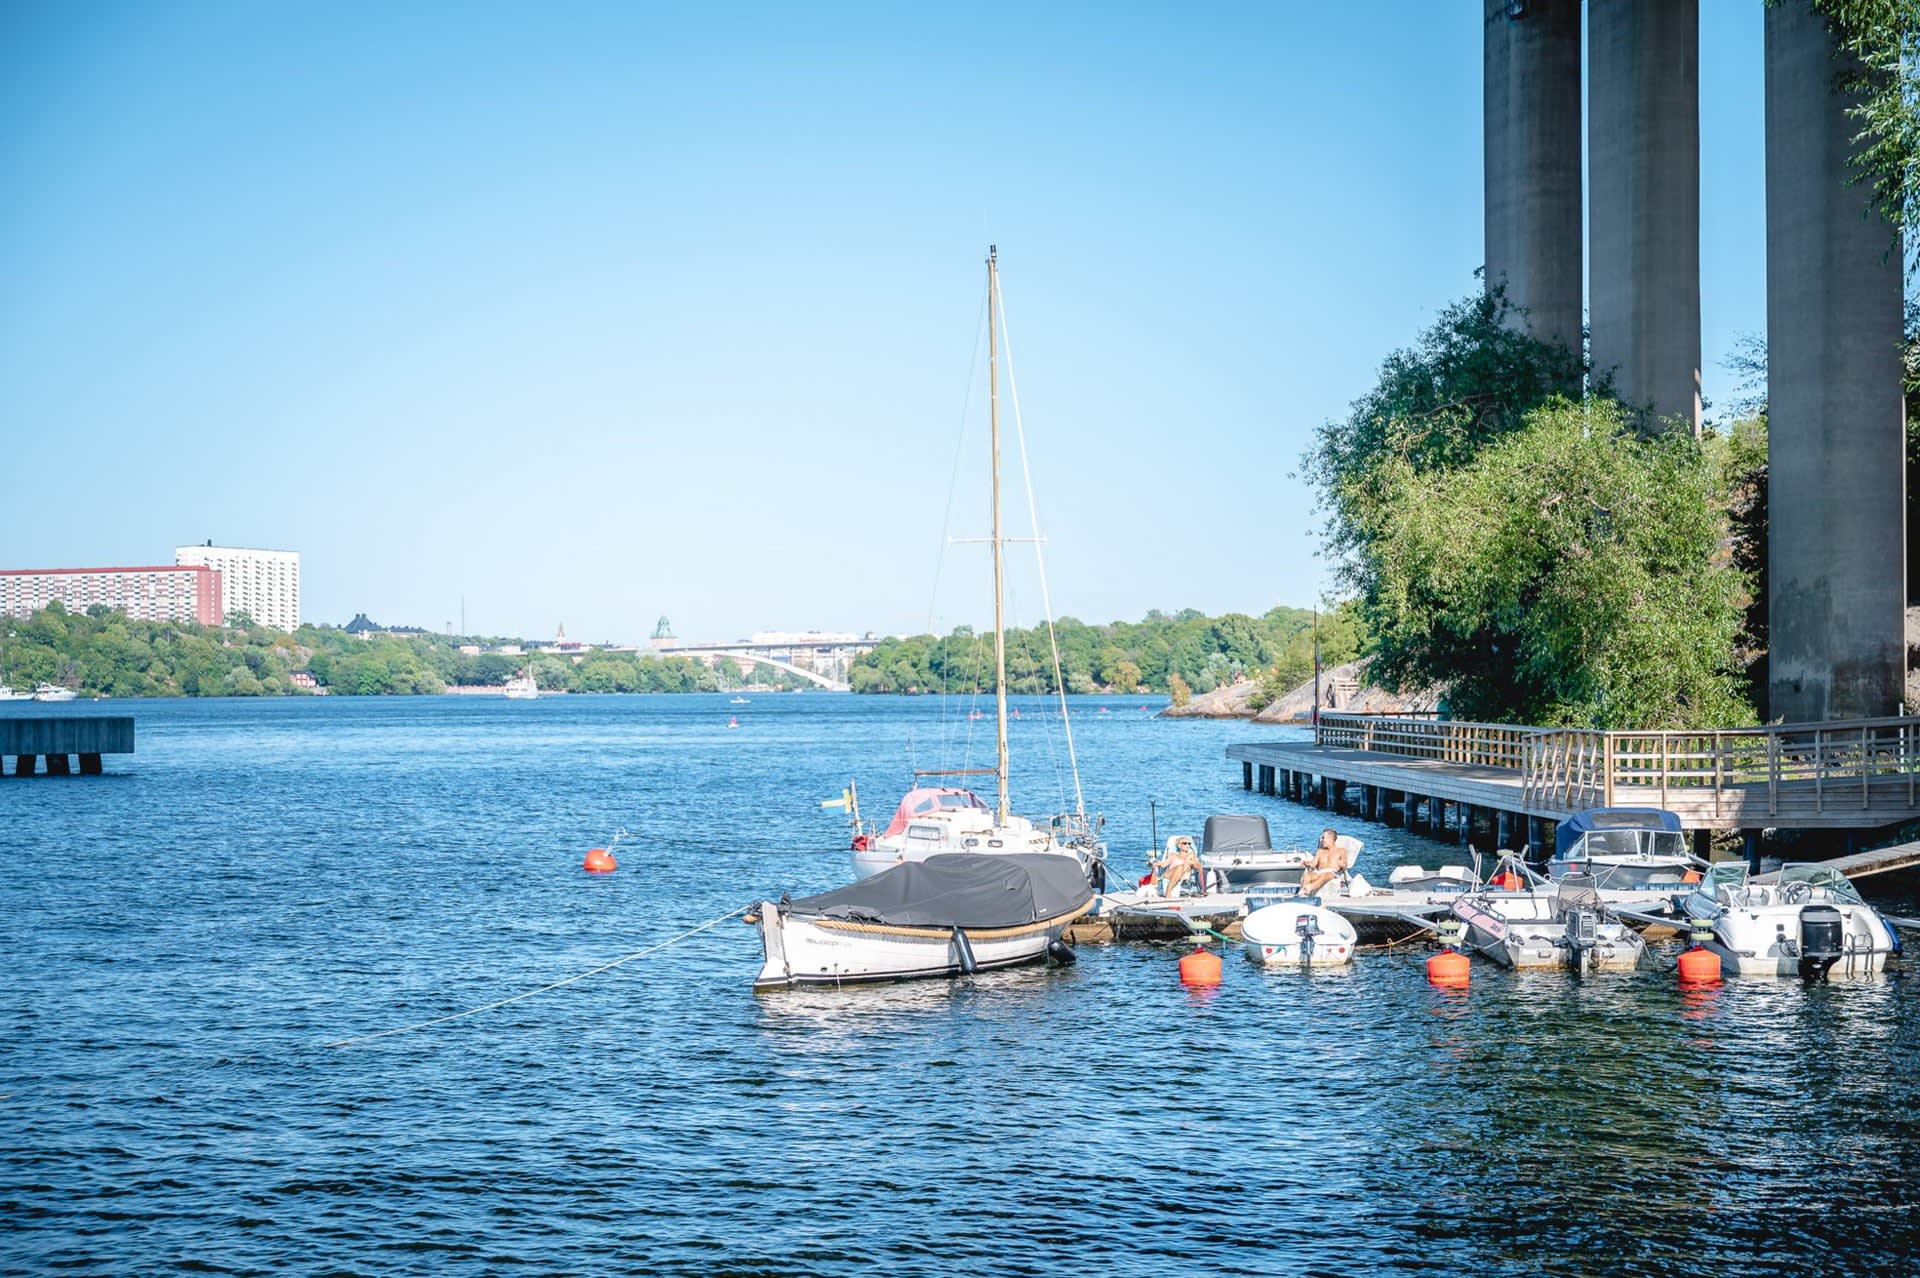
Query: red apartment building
[{"x": 183, "y": 592}]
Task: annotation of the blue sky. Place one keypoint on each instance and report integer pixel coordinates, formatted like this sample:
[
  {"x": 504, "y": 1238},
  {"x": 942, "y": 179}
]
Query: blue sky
[{"x": 593, "y": 313}]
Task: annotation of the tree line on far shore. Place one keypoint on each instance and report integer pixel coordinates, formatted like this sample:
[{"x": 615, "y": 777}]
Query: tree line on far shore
[
  {"x": 1180, "y": 654},
  {"x": 103, "y": 651}
]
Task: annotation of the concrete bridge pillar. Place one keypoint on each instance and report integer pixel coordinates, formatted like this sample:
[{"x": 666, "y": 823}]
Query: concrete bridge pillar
[
  {"x": 1532, "y": 125},
  {"x": 1836, "y": 545},
  {"x": 1643, "y": 205}
]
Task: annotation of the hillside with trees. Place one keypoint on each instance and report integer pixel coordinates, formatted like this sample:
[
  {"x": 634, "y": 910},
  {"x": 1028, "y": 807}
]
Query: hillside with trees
[{"x": 1179, "y": 654}]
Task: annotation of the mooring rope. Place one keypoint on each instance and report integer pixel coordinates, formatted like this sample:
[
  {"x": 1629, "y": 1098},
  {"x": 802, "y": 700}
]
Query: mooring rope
[{"x": 580, "y": 976}]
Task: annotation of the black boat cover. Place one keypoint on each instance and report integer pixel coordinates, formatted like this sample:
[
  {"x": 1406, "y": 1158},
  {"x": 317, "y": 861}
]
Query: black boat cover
[
  {"x": 958, "y": 889},
  {"x": 1236, "y": 834}
]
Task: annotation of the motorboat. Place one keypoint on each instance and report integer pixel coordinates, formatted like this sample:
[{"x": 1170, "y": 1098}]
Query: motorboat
[
  {"x": 954, "y": 914},
  {"x": 522, "y": 686},
  {"x": 1297, "y": 932},
  {"x": 53, "y": 692},
  {"x": 8, "y": 694},
  {"x": 1559, "y": 923},
  {"x": 1808, "y": 920},
  {"x": 1436, "y": 880},
  {"x": 738, "y": 701},
  {"x": 935, "y": 819},
  {"x": 1625, "y": 849},
  {"x": 1237, "y": 852}
]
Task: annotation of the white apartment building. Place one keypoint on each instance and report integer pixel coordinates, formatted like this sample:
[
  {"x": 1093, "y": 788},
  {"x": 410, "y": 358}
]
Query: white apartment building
[{"x": 264, "y": 584}]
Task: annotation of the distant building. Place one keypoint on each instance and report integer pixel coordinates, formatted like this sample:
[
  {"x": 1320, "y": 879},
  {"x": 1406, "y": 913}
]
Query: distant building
[
  {"x": 155, "y": 593},
  {"x": 360, "y": 627},
  {"x": 303, "y": 679},
  {"x": 264, "y": 584}
]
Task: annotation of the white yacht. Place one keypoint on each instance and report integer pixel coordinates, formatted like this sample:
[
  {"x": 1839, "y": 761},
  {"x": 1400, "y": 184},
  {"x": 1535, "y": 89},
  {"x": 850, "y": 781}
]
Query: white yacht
[
  {"x": 53, "y": 692},
  {"x": 1808, "y": 920},
  {"x": 8, "y": 694},
  {"x": 521, "y": 687},
  {"x": 933, "y": 819}
]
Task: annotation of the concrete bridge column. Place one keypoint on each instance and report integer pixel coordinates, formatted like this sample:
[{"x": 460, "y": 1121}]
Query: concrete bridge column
[
  {"x": 1836, "y": 544},
  {"x": 1643, "y": 204},
  {"x": 1532, "y": 125}
]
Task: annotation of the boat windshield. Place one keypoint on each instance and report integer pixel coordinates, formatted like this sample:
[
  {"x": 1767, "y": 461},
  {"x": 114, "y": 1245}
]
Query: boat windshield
[
  {"x": 1820, "y": 876},
  {"x": 1727, "y": 874},
  {"x": 1659, "y": 843}
]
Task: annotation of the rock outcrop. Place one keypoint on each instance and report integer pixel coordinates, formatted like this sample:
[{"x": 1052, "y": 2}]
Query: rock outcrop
[{"x": 1341, "y": 688}]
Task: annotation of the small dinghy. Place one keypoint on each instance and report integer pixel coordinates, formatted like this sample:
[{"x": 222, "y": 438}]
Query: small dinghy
[
  {"x": 956, "y": 913},
  {"x": 1296, "y": 932}
]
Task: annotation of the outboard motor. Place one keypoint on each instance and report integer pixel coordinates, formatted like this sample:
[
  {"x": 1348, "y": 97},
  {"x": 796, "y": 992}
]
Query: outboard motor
[
  {"x": 1583, "y": 936},
  {"x": 1306, "y": 927},
  {"x": 1823, "y": 934}
]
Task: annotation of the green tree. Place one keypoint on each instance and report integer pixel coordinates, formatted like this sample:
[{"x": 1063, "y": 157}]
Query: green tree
[{"x": 1570, "y": 573}]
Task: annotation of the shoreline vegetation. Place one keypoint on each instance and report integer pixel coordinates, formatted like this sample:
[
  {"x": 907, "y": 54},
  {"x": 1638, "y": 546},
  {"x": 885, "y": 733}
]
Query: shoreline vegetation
[{"x": 103, "y": 652}]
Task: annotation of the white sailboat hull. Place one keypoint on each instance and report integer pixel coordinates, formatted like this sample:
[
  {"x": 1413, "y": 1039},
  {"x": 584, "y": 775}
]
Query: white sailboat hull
[{"x": 811, "y": 951}]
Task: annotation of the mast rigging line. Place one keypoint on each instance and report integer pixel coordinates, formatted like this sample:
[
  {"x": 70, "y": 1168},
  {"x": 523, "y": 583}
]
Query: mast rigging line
[
  {"x": 1033, "y": 522},
  {"x": 578, "y": 976}
]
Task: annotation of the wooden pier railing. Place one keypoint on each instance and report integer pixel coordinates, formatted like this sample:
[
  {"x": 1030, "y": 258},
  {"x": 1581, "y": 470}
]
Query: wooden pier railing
[{"x": 1799, "y": 768}]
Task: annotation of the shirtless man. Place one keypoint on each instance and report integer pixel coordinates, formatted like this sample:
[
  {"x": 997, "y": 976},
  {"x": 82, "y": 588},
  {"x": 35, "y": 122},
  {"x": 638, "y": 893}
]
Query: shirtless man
[{"x": 1328, "y": 861}]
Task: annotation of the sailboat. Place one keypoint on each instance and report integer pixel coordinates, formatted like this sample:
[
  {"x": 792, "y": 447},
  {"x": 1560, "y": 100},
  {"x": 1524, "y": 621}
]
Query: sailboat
[{"x": 934, "y": 818}]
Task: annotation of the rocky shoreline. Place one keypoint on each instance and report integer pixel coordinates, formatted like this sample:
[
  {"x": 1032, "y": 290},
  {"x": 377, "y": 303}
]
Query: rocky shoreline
[{"x": 1341, "y": 688}]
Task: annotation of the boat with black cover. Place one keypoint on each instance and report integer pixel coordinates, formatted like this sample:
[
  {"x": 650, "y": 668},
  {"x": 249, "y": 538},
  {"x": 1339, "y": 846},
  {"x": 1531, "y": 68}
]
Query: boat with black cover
[{"x": 957, "y": 913}]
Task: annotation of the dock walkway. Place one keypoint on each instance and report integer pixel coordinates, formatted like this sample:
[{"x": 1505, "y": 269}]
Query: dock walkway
[
  {"x": 1517, "y": 781},
  {"x": 56, "y": 737}
]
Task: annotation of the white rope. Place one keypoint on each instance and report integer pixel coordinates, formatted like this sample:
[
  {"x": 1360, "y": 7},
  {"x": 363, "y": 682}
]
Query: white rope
[
  {"x": 604, "y": 967},
  {"x": 1046, "y": 602}
]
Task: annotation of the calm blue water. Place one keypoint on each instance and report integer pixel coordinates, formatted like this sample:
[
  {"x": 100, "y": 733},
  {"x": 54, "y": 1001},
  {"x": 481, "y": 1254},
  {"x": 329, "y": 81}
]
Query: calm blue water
[{"x": 184, "y": 936}]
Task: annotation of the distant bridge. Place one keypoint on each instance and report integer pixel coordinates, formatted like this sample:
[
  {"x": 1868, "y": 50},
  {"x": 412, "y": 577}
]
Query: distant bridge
[{"x": 820, "y": 658}]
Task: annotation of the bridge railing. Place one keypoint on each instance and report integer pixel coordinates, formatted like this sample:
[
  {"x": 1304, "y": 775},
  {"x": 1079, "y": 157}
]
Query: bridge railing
[{"x": 1802, "y": 767}]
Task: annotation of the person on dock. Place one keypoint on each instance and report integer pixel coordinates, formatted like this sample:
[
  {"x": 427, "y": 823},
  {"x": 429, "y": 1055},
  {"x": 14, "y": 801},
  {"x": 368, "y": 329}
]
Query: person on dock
[
  {"x": 1328, "y": 861},
  {"x": 1180, "y": 861}
]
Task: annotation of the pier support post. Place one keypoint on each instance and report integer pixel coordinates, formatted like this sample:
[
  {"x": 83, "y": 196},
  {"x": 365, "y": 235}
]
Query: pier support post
[
  {"x": 1836, "y": 550},
  {"x": 1466, "y": 825},
  {"x": 1503, "y": 833},
  {"x": 1246, "y": 774},
  {"x": 1703, "y": 844},
  {"x": 1394, "y": 809},
  {"x": 1266, "y": 778},
  {"x": 1751, "y": 840},
  {"x": 58, "y": 765},
  {"x": 1370, "y": 801}
]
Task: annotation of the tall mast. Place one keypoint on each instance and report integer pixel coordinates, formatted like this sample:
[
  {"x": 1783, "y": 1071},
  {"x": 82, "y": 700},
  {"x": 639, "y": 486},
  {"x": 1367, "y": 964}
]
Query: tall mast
[{"x": 999, "y": 558}]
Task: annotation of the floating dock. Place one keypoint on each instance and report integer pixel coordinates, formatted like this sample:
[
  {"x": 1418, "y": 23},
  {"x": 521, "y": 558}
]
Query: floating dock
[
  {"x": 1498, "y": 785},
  {"x": 61, "y": 740}
]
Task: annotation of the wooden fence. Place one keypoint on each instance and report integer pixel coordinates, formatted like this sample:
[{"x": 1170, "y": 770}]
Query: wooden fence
[{"x": 1799, "y": 768}]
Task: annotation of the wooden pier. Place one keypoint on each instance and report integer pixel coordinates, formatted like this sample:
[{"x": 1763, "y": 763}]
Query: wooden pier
[
  {"x": 61, "y": 739},
  {"x": 1497, "y": 785}
]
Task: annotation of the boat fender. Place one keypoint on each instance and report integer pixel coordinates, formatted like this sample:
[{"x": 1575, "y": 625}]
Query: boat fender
[
  {"x": 965, "y": 949},
  {"x": 1060, "y": 954},
  {"x": 1893, "y": 938}
]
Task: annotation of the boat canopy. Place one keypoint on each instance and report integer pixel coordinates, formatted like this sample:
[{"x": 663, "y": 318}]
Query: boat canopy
[
  {"x": 1235, "y": 833},
  {"x": 1567, "y": 835},
  {"x": 930, "y": 799},
  {"x": 958, "y": 889}
]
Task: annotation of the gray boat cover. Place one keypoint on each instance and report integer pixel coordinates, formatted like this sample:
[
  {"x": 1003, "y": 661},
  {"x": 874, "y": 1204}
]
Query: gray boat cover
[
  {"x": 1236, "y": 834},
  {"x": 958, "y": 889}
]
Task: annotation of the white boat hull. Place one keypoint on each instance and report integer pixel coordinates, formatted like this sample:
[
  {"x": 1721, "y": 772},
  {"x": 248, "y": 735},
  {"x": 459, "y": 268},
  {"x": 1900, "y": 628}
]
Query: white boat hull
[
  {"x": 812, "y": 951},
  {"x": 1271, "y": 937},
  {"x": 1519, "y": 930}
]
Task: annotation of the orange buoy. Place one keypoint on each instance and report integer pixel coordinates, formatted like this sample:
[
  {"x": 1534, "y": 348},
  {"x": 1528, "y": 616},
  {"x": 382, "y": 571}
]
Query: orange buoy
[
  {"x": 1699, "y": 964},
  {"x": 1450, "y": 967},
  {"x": 600, "y": 861},
  {"x": 1202, "y": 967}
]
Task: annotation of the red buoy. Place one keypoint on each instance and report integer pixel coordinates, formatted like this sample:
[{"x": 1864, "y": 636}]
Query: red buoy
[
  {"x": 1450, "y": 967},
  {"x": 1699, "y": 965},
  {"x": 600, "y": 861},
  {"x": 1202, "y": 967}
]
